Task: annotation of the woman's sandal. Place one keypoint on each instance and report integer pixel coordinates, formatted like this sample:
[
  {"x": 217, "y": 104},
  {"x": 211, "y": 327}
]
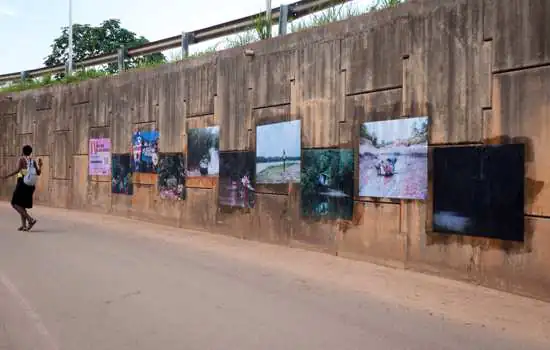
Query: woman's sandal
[{"x": 31, "y": 224}]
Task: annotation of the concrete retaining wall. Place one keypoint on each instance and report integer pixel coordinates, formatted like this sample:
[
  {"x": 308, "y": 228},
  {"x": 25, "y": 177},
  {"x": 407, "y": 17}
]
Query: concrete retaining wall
[{"x": 479, "y": 68}]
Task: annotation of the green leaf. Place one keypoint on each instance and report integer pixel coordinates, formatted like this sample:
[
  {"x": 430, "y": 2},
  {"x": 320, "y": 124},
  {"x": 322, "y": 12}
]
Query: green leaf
[{"x": 89, "y": 41}]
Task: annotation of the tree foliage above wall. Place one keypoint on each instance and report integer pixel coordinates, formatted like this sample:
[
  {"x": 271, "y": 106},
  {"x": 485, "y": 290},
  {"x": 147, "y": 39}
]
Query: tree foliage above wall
[
  {"x": 89, "y": 41},
  {"x": 365, "y": 134}
]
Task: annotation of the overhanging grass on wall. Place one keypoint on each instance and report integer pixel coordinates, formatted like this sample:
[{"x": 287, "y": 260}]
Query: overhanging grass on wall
[
  {"x": 85, "y": 74},
  {"x": 48, "y": 80},
  {"x": 256, "y": 33}
]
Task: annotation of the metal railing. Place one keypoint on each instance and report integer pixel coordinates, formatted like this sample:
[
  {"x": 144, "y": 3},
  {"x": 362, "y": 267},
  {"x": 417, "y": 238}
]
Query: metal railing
[{"x": 281, "y": 15}]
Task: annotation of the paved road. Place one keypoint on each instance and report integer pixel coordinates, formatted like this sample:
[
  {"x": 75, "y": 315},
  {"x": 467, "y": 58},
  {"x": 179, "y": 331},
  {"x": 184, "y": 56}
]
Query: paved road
[{"x": 83, "y": 281}]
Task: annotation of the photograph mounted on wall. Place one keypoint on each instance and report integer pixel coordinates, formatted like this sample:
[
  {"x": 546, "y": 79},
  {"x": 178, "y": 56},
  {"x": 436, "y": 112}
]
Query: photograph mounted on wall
[
  {"x": 393, "y": 159},
  {"x": 171, "y": 176},
  {"x": 203, "y": 155},
  {"x": 145, "y": 149},
  {"x": 278, "y": 148},
  {"x": 479, "y": 191},
  {"x": 237, "y": 180},
  {"x": 122, "y": 182},
  {"x": 99, "y": 157},
  {"x": 327, "y": 183}
]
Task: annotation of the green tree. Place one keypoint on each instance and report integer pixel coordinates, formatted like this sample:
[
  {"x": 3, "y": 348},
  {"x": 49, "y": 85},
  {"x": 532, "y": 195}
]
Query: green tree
[
  {"x": 420, "y": 131},
  {"x": 90, "y": 41},
  {"x": 364, "y": 133},
  {"x": 344, "y": 176}
]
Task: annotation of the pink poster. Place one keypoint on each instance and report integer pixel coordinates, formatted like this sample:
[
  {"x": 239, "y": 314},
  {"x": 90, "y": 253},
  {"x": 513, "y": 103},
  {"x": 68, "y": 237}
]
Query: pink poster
[{"x": 100, "y": 157}]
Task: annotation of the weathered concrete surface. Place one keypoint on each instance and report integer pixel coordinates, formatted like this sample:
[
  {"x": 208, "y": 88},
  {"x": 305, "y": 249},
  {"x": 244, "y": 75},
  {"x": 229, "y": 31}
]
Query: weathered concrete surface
[
  {"x": 88, "y": 281},
  {"x": 478, "y": 68}
]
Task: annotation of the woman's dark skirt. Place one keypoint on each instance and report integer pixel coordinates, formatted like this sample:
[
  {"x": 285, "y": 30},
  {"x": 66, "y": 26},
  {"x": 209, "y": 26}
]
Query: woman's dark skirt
[{"x": 22, "y": 195}]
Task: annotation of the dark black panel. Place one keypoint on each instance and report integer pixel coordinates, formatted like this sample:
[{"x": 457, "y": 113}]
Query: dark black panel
[
  {"x": 479, "y": 191},
  {"x": 122, "y": 176},
  {"x": 171, "y": 176}
]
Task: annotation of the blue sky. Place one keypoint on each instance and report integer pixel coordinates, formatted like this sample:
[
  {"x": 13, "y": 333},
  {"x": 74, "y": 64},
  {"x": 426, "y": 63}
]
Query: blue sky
[
  {"x": 273, "y": 138},
  {"x": 28, "y": 27}
]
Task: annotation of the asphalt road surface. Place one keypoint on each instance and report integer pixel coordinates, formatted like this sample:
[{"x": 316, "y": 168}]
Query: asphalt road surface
[{"x": 84, "y": 281}]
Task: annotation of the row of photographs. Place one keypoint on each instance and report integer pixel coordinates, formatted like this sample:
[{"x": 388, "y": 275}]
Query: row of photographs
[
  {"x": 392, "y": 157},
  {"x": 392, "y": 164},
  {"x": 327, "y": 180}
]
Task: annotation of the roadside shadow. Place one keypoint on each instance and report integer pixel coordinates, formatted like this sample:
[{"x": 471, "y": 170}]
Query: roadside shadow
[{"x": 45, "y": 231}]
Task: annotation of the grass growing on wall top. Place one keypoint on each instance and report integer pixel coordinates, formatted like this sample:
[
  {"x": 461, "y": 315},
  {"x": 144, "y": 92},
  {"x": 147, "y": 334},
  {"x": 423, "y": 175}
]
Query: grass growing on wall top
[
  {"x": 340, "y": 13},
  {"x": 333, "y": 14},
  {"x": 48, "y": 80},
  {"x": 256, "y": 33},
  {"x": 85, "y": 74},
  {"x": 177, "y": 56}
]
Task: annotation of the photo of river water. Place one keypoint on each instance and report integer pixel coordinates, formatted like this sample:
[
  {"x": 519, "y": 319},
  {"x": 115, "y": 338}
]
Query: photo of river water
[{"x": 393, "y": 159}]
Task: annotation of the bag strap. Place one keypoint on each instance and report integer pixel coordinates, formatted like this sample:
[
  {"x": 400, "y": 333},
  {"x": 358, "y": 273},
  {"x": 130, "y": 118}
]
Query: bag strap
[{"x": 30, "y": 162}]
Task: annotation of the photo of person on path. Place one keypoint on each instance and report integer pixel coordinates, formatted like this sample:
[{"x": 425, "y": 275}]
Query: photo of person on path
[
  {"x": 27, "y": 175},
  {"x": 278, "y": 153}
]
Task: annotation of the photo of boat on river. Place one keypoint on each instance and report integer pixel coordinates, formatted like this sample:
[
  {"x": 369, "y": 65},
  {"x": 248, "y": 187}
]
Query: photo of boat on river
[{"x": 393, "y": 159}]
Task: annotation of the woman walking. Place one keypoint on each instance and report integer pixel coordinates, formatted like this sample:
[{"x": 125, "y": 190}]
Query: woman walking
[{"x": 27, "y": 173}]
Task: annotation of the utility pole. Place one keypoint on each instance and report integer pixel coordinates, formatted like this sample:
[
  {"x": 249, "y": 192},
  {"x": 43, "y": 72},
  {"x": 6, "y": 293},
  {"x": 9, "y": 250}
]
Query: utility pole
[
  {"x": 70, "y": 37},
  {"x": 268, "y": 17},
  {"x": 283, "y": 19}
]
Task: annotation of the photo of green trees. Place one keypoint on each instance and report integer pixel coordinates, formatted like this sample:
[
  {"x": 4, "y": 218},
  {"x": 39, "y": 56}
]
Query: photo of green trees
[{"x": 327, "y": 183}]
